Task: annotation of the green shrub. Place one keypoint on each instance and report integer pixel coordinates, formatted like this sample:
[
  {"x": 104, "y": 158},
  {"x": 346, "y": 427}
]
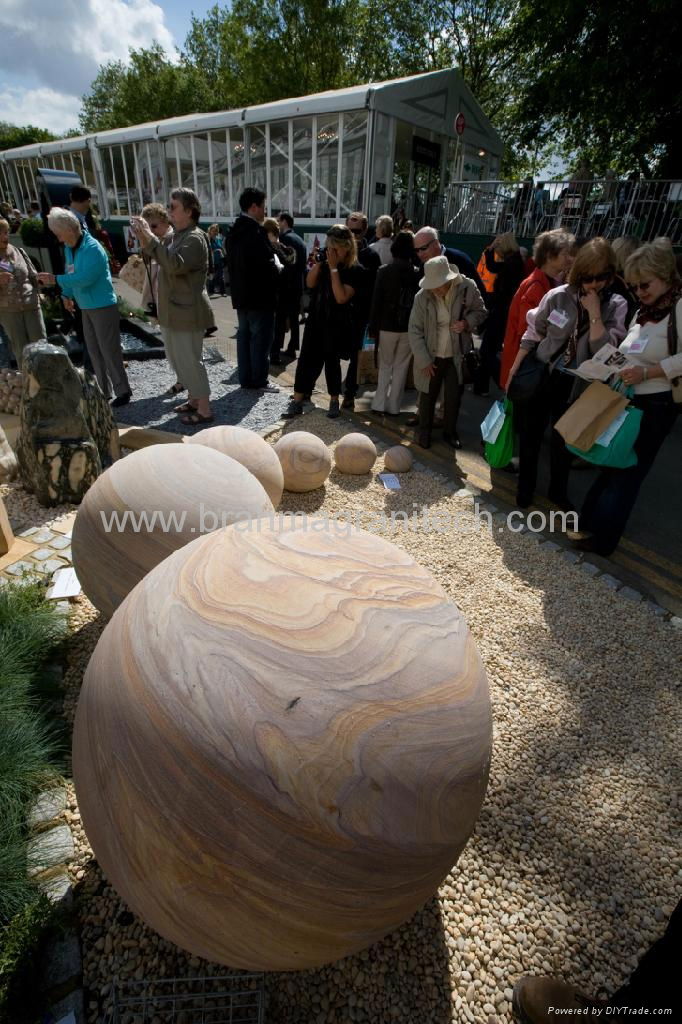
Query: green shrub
[
  {"x": 125, "y": 309},
  {"x": 32, "y": 231}
]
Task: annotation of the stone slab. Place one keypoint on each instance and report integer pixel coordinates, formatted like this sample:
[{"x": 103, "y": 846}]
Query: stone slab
[
  {"x": 631, "y": 594},
  {"x": 676, "y": 622},
  {"x": 64, "y": 526},
  {"x": 58, "y": 888},
  {"x": 50, "y": 566},
  {"x": 19, "y": 568},
  {"x": 141, "y": 437},
  {"x": 50, "y": 848},
  {"x": 571, "y": 556},
  {"x": 590, "y": 568},
  {"x": 42, "y": 536},
  {"x": 42, "y": 554},
  {"x": 63, "y": 962},
  {"x": 48, "y": 806},
  {"x": 551, "y": 545},
  {"x": 61, "y": 542},
  {"x": 611, "y": 582}
]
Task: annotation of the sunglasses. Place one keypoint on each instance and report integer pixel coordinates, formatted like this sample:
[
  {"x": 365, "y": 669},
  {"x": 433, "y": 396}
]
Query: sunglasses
[
  {"x": 643, "y": 286},
  {"x": 589, "y": 278},
  {"x": 423, "y": 248}
]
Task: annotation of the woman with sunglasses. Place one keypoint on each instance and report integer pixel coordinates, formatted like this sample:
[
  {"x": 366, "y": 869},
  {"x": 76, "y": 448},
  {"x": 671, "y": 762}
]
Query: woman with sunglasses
[
  {"x": 653, "y": 345},
  {"x": 569, "y": 326}
]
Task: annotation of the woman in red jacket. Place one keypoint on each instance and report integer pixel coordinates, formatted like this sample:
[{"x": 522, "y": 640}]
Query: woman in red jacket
[{"x": 552, "y": 254}]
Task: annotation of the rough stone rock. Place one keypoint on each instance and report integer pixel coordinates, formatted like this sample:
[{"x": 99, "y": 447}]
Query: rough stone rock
[
  {"x": 68, "y": 435},
  {"x": 48, "y": 806},
  {"x": 8, "y": 460},
  {"x": 50, "y": 848}
]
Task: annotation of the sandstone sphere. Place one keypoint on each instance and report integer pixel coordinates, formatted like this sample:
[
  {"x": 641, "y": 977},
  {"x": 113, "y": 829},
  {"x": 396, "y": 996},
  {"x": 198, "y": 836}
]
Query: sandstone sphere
[
  {"x": 305, "y": 459},
  {"x": 355, "y": 454},
  {"x": 248, "y": 448},
  {"x": 180, "y": 491},
  {"x": 398, "y": 459},
  {"x": 282, "y": 744}
]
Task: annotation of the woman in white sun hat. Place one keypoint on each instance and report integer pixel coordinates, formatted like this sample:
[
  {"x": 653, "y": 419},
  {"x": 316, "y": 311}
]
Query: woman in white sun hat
[{"x": 447, "y": 309}]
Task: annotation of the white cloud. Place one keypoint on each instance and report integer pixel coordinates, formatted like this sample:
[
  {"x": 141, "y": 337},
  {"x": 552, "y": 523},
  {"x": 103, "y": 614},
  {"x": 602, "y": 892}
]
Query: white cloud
[
  {"x": 57, "y": 112},
  {"x": 60, "y": 44}
]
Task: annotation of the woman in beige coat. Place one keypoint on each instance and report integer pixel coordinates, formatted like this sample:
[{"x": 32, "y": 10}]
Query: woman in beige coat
[{"x": 446, "y": 311}]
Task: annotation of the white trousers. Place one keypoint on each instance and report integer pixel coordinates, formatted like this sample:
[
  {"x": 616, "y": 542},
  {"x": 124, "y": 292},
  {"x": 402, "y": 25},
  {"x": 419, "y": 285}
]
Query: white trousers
[{"x": 394, "y": 362}]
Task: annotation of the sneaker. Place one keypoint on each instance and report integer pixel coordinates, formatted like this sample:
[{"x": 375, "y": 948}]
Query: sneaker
[
  {"x": 294, "y": 408},
  {"x": 333, "y": 413},
  {"x": 122, "y": 399},
  {"x": 269, "y": 389},
  {"x": 544, "y": 1000},
  {"x": 348, "y": 403}
]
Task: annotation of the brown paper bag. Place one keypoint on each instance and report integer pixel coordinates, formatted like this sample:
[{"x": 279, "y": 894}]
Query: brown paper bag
[
  {"x": 590, "y": 415},
  {"x": 134, "y": 273}
]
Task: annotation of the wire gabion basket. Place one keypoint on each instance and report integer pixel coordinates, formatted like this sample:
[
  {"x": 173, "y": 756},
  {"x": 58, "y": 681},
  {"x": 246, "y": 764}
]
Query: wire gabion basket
[{"x": 234, "y": 999}]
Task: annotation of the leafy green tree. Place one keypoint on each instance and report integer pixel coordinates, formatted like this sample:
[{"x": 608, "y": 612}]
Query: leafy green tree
[{"x": 11, "y": 135}]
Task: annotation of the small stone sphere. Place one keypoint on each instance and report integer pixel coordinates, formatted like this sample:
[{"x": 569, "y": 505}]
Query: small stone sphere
[
  {"x": 355, "y": 454},
  {"x": 398, "y": 459},
  {"x": 282, "y": 743},
  {"x": 248, "y": 448},
  {"x": 305, "y": 460},
  {"x": 181, "y": 491}
]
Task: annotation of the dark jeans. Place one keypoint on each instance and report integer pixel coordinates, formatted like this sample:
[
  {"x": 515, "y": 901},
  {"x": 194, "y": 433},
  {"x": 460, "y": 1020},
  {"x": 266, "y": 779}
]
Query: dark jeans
[
  {"x": 317, "y": 352},
  {"x": 446, "y": 374},
  {"x": 350, "y": 384},
  {"x": 217, "y": 280},
  {"x": 613, "y": 494},
  {"x": 655, "y": 982},
  {"x": 288, "y": 308},
  {"x": 531, "y": 419},
  {"x": 254, "y": 338}
]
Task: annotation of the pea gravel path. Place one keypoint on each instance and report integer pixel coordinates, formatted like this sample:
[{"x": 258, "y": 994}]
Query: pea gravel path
[
  {"x": 150, "y": 378},
  {"x": 575, "y": 863}
]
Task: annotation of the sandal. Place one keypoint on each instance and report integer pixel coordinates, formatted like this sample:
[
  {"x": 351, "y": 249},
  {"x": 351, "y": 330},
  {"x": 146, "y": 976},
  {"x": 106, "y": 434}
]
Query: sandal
[
  {"x": 177, "y": 389},
  {"x": 185, "y": 407},
  {"x": 195, "y": 419}
]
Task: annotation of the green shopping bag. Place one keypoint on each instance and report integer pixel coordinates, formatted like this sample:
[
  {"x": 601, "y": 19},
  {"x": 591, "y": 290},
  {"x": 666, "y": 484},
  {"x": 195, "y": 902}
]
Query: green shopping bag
[
  {"x": 615, "y": 448},
  {"x": 500, "y": 453}
]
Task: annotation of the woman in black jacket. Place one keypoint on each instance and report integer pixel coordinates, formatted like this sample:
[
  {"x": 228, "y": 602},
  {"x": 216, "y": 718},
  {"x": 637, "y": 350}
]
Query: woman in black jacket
[
  {"x": 396, "y": 285},
  {"x": 509, "y": 273}
]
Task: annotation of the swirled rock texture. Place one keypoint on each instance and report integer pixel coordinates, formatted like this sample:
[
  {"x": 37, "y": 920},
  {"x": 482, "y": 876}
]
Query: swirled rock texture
[
  {"x": 398, "y": 459},
  {"x": 355, "y": 454},
  {"x": 306, "y": 461},
  {"x": 150, "y": 504},
  {"x": 282, "y": 744},
  {"x": 248, "y": 448}
]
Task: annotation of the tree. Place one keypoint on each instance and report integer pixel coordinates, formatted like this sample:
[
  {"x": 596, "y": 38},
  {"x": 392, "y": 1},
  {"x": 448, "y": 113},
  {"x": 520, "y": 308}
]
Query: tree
[
  {"x": 150, "y": 88},
  {"x": 11, "y": 135},
  {"x": 603, "y": 80}
]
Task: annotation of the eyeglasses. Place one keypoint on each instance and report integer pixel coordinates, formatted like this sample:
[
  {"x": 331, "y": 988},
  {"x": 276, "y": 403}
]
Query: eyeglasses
[
  {"x": 643, "y": 286},
  {"x": 423, "y": 248},
  {"x": 589, "y": 278}
]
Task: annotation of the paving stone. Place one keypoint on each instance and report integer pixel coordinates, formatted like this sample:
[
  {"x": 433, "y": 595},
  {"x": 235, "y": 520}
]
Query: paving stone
[
  {"x": 59, "y": 543},
  {"x": 42, "y": 554},
  {"x": 50, "y": 848},
  {"x": 656, "y": 609},
  {"x": 47, "y": 568},
  {"x": 571, "y": 556},
  {"x": 611, "y": 581},
  {"x": 48, "y": 806},
  {"x": 28, "y": 533},
  {"x": 43, "y": 536},
  {"x": 58, "y": 888},
  {"x": 464, "y": 492},
  {"x": 63, "y": 961},
  {"x": 19, "y": 568},
  {"x": 590, "y": 568},
  {"x": 676, "y": 621},
  {"x": 630, "y": 593},
  {"x": 551, "y": 545}
]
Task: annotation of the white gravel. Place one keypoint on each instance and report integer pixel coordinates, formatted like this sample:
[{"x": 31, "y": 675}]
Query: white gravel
[{"x": 575, "y": 863}]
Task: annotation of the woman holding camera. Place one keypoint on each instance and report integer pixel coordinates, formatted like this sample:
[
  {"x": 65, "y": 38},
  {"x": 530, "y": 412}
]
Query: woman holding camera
[
  {"x": 184, "y": 308},
  {"x": 20, "y": 313},
  {"x": 156, "y": 216},
  {"x": 330, "y": 331}
]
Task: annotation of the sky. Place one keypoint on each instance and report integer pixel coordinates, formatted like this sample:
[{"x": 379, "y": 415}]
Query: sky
[{"x": 52, "y": 50}]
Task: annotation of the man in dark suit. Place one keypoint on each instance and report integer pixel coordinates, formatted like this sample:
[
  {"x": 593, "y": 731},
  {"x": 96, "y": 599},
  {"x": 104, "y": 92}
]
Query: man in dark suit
[
  {"x": 292, "y": 284},
  {"x": 253, "y": 287}
]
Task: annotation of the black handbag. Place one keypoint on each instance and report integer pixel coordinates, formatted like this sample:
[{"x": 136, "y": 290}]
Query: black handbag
[
  {"x": 528, "y": 379},
  {"x": 471, "y": 364}
]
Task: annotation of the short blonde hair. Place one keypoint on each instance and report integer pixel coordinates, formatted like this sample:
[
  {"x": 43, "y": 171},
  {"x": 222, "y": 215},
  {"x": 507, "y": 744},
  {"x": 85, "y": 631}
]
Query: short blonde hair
[
  {"x": 157, "y": 210},
  {"x": 506, "y": 244},
  {"x": 384, "y": 226},
  {"x": 271, "y": 226},
  {"x": 344, "y": 238},
  {"x": 594, "y": 257},
  {"x": 4, "y": 224},
  {"x": 653, "y": 259}
]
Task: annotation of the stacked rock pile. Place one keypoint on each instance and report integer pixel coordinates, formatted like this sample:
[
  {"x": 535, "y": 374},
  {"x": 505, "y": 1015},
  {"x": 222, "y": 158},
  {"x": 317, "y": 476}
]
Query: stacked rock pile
[{"x": 10, "y": 391}]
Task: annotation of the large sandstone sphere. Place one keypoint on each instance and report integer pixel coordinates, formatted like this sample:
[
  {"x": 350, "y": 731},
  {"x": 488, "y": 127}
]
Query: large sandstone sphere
[
  {"x": 398, "y": 459},
  {"x": 355, "y": 454},
  {"x": 248, "y": 448},
  {"x": 305, "y": 460},
  {"x": 182, "y": 491},
  {"x": 282, "y": 744}
]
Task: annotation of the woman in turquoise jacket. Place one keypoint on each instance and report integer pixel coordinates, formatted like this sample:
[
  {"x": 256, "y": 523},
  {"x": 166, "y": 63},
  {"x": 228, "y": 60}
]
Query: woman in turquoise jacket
[{"x": 87, "y": 281}]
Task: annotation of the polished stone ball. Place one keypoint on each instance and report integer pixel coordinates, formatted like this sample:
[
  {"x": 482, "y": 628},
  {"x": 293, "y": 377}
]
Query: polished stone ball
[
  {"x": 282, "y": 744},
  {"x": 355, "y": 454},
  {"x": 148, "y": 505},
  {"x": 398, "y": 459},
  {"x": 248, "y": 448},
  {"x": 305, "y": 460}
]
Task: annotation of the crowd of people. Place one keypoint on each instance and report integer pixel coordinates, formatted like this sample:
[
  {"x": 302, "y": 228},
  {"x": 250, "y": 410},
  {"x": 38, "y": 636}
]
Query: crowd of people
[{"x": 511, "y": 321}]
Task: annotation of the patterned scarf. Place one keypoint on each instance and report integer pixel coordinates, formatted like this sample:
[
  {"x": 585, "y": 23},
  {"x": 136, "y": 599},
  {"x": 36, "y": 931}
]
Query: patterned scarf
[{"x": 659, "y": 309}]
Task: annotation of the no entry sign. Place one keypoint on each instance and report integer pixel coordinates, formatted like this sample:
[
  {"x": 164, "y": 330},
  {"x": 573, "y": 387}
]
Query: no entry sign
[{"x": 460, "y": 124}]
